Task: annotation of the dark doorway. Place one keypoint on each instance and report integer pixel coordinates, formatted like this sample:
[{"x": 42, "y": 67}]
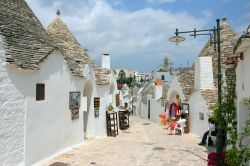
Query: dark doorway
[{"x": 148, "y": 109}]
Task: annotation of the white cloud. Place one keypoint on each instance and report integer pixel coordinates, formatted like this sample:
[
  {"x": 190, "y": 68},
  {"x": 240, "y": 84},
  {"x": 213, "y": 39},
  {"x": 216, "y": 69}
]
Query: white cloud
[
  {"x": 161, "y": 1},
  {"x": 246, "y": 16},
  {"x": 137, "y": 40},
  {"x": 207, "y": 13}
]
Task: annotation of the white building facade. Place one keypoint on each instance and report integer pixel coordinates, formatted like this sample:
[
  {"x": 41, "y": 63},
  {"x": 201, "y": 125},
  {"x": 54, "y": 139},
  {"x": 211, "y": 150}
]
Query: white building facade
[
  {"x": 242, "y": 51},
  {"x": 47, "y": 89}
]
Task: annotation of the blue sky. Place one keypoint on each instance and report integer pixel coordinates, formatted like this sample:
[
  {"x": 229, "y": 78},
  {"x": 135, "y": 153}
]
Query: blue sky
[{"x": 136, "y": 32}]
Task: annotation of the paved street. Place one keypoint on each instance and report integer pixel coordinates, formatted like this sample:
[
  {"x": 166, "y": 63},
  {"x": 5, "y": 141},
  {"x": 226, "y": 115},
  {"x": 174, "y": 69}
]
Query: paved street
[{"x": 144, "y": 144}]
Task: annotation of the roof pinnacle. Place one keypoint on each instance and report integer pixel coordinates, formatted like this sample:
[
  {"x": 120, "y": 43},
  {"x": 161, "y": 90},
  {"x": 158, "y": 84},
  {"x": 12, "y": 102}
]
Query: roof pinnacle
[{"x": 58, "y": 12}]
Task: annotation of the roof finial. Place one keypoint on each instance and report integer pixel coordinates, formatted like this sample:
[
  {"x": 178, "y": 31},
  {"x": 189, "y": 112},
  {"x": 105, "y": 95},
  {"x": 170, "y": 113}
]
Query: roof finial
[
  {"x": 224, "y": 19},
  {"x": 58, "y": 12}
]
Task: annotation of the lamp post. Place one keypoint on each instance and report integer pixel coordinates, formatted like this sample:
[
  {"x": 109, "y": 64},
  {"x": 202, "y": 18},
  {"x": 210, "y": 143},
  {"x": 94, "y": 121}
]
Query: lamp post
[{"x": 216, "y": 41}]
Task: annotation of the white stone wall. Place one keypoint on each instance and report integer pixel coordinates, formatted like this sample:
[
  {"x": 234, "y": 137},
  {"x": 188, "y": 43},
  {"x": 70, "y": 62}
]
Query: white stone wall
[
  {"x": 157, "y": 75},
  {"x": 242, "y": 88},
  {"x": 49, "y": 128},
  {"x": 100, "y": 122},
  {"x": 12, "y": 117},
  {"x": 203, "y": 73},
  {"x": 144, "y": 110},
  {"x": 138, "y": 108},
  {"x": 198, "y": 106},
  {"x": 155, "y": 110}
]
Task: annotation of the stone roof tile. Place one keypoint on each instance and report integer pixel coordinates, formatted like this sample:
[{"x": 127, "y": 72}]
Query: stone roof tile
[
  {"x": 25, "y": 39},
  {"x": 210, "y": 96},
  {"x": 76, "y": 56},
  {"x": 186, "y": 80}
]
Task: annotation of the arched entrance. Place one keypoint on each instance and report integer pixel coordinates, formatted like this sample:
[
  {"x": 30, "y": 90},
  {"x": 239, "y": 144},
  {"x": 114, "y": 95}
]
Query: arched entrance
[
  {"x": 174, "y": 104},
  {"x": 87, "y": 92},
  {"x": 174, "y": 98}
]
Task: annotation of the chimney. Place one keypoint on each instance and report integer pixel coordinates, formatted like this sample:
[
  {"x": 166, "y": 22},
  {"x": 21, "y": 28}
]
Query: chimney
[
  {"x": 158, "y": 90},
  {"x": 204, "y": 73},
  {"x": 106, "y": 61}
]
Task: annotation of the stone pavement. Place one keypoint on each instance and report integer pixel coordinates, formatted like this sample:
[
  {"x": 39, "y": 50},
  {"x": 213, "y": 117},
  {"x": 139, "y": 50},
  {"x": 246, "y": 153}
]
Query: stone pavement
[{"x": 144, "y": 144}]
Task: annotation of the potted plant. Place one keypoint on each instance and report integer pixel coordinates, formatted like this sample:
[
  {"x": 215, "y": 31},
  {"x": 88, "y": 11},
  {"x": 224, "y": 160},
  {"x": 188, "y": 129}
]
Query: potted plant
[{"x": 110, "y": 107}]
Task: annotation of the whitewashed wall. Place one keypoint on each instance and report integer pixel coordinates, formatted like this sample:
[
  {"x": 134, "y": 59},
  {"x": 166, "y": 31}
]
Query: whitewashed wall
[
  {"x": 175, "y": 87},
  {"x": 144, "y": 110},
  {"x": 98, "y": 124},
  {"x": 100, "y": 127},
  {"x": 138, "y": 108},
  {"x": 49, "y": 128},
  {"x": 155, "y": 110},
  {"x": 167, "y": 77},
  {"x": 242, "y": 88},
  {"x": 157, "y": 92},
  {"x": 12, "y": 117},
  {"x": 203, "y": 73},
  {"x": 198, "y": 105}
]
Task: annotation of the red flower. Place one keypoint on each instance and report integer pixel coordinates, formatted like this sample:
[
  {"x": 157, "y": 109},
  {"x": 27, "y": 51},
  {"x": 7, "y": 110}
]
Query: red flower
[
  {"x": 215, "y": 159},
  {"x": 119, "y": 86}
]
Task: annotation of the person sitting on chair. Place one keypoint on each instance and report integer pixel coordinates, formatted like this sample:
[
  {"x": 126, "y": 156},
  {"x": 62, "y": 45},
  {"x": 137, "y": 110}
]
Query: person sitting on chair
[
  {"x": 181, "y": 122},
  {"x": 211, "y": 127}
]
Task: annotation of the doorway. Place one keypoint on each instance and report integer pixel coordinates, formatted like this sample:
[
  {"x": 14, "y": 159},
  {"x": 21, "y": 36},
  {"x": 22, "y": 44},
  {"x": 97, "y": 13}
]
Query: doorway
[{"x": 148, "y": 109}]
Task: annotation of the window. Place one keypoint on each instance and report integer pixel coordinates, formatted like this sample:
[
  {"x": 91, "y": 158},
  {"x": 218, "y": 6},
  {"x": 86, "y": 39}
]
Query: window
[
  {"x": 96, "y": 106},
  {"x": 162, "y": 77},
  {"x": 201, "y": 116},
  {"x": 117, "y": 99},
  {"x": 96, "y": 102},
  {"x": 40, "y": 92}
]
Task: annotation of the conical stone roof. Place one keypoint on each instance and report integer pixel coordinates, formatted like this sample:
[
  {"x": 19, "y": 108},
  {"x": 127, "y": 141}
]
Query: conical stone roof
[
  {"x": 25, "y": 39},
  {"x": 75, "y": 55},
  {"x": 228, "y": 41},
  {"x": 186, "y": 80}
]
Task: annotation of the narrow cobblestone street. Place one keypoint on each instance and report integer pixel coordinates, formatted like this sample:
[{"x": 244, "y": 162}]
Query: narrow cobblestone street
[{"x": 144, "y": 144}]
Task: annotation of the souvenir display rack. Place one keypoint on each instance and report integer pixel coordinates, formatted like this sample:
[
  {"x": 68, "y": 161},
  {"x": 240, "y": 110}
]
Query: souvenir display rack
[
  {"x": 123, "y": 119},
  {"x": 111, "y": 123}
]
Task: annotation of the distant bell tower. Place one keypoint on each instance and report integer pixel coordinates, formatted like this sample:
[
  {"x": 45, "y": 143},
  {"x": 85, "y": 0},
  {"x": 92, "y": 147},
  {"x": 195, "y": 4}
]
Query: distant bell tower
[{"x": 165, "y": 64}]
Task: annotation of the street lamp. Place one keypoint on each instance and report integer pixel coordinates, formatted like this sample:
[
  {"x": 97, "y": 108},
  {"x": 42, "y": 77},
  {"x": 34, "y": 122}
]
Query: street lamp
[{"x": 216, "y": 32}]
